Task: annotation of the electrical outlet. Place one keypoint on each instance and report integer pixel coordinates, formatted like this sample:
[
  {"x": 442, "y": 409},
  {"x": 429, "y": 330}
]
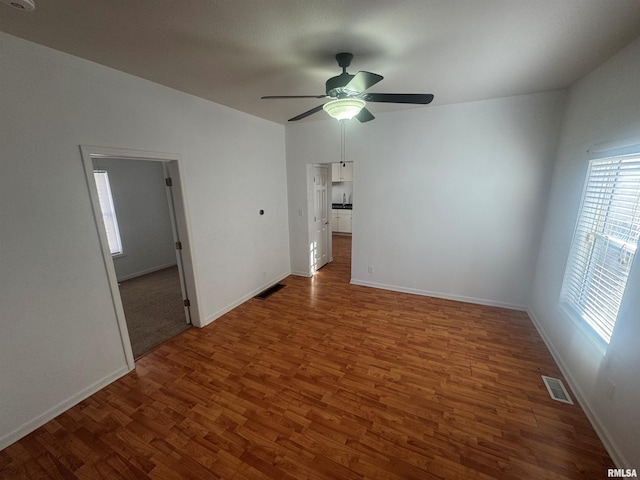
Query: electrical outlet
[
  {"x": 370, "y": 269},
  {"x": 610, "y": 390}
]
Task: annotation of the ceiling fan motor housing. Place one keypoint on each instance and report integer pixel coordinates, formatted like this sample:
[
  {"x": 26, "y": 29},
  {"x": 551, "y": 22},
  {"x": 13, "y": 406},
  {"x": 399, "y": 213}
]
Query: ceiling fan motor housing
[{"x": 334, "y": 85}]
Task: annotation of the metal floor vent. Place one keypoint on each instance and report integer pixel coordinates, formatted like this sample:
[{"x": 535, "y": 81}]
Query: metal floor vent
[
  {"x": 269, "y": 291},
  {"x": 556, "y": 389}
]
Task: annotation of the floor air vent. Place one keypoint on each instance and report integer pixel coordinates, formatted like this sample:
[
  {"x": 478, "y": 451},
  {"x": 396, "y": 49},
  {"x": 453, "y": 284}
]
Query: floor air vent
[
  {"x": 556, "y": 389},
  {"x": 269, "y": 291}
]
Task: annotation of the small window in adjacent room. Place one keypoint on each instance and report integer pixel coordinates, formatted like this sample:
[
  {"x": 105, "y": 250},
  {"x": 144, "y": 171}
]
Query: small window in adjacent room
[
  {"x": 108, "y": 212},
  {"x": 604, "y": 242}
]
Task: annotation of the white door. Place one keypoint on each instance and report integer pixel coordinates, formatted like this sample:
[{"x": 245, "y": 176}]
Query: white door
[{"x": 321, "y": 216}]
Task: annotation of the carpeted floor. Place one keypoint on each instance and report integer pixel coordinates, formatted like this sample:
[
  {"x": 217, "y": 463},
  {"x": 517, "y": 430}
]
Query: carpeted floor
[{"x": 153, "y": 308}]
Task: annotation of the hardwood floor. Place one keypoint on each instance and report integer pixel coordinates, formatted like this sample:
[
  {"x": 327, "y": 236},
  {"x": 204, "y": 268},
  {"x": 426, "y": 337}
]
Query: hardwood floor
[{"x": 326, "y": 380}]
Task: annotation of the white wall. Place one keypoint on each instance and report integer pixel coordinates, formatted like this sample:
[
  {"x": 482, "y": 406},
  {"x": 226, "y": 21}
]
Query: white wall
[
  {"x": 142, "y": 209},
  {"x": 449, "y": 199},
  {"x": 603, "y": 107},
  {"x": 59, "y": 338}
]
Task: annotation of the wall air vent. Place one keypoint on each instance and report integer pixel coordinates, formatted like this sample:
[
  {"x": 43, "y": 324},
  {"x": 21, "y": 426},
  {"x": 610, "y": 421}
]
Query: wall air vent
[{"x": 556, "y": 389}]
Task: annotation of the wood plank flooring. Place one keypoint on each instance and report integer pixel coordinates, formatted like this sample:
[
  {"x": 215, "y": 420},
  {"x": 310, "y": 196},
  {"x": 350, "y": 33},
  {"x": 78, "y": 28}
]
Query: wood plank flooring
[{"x": 326, "y": 380}]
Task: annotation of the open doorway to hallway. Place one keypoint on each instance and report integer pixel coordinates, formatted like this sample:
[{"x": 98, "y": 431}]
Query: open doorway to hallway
[
  {"x": 138, "y": 212},
  {"x": 149, "y": 268},
  {"x": 342, "y": 256},
  {"x": 330, "y": 213}
]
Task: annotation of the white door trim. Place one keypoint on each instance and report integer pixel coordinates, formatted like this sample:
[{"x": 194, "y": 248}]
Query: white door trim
[{"x": 89, "y": 153}]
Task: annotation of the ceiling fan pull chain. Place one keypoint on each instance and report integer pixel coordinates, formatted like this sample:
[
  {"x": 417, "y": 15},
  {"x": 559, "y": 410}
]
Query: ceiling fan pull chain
[{"x": 343, "y": 148}]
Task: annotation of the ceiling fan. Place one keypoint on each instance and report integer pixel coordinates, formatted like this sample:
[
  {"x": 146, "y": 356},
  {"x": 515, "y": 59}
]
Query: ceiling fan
[{"x": 348, "y": 95}]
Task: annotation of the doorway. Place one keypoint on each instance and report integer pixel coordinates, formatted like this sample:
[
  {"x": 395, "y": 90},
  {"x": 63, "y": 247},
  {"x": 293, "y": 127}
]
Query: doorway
[
  {"x": 321, "y": 227},
  {"x": 151, "y": 278},
  {"x": 322, "y": 239}
]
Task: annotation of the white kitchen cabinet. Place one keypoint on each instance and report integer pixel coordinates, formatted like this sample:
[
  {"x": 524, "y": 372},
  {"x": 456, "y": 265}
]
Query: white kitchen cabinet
[
  {"x": 344, "y": 222},
  {"x": 335, "y": 172},
  {"x": 347, "y": 172},
  {"x": 342, "y": 172},
  {"x": 341, "y": 220}
]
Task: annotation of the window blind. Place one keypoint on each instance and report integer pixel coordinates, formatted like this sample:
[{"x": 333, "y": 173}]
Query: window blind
[
  {"x": 604, "y": 243},
  {"x": 108, "y": 211}
]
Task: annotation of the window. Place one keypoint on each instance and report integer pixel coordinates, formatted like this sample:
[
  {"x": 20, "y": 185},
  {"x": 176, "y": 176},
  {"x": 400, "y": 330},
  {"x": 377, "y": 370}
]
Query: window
[
  {"x": 108, "y": 212},
  {"x": 604, "y": 242}
]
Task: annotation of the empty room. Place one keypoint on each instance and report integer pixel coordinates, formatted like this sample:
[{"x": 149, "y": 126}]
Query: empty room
[{"x": 401, "y": 238}]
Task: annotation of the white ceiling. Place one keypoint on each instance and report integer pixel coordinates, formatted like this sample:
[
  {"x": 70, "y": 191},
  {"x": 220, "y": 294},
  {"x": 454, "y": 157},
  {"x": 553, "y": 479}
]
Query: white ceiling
[{"x": 235, "y": 51}]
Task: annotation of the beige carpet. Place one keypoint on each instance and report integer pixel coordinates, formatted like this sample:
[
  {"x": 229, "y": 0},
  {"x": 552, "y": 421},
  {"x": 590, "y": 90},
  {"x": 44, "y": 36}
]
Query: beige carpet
[{"x": 153, "y": 308}]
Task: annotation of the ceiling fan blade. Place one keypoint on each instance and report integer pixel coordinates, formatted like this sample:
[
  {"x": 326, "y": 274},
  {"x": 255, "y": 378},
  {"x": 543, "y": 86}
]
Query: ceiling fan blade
[
  {"x": 307, "y": 113},
  {"x": 417, "y": 98},
  {"x": 365, "y": 115},
  {"x": 293, "y": 96},
  {"x": 361, "y": 81}
]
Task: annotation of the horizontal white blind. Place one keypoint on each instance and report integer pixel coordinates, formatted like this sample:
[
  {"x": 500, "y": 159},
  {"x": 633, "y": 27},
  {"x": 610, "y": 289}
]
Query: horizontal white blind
[
  {"x": 604, "y": 242},
  {"x": 108, "y": 211}
]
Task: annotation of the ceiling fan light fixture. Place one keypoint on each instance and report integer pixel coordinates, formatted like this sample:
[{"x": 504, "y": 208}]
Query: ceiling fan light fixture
[{"x": 344, "y": 108}]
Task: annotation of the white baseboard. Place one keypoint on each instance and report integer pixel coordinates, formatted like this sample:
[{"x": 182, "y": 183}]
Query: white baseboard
[
  {"x": 301, "y": 274},
  {"x": 146, "y": 271},
  {"x": 426, "y": 293},
  {"x": 26, "y": 428},
  {"x": 243, "y": 299},
  {"x": 607, "y": 441}
]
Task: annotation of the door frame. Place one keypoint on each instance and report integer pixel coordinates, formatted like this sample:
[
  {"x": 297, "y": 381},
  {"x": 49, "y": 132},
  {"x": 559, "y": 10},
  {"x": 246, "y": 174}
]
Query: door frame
[
  {"x": 311, "y": 210},
  {"x": 171, "y": 163},
  {"x": 177, "y": 238}
]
